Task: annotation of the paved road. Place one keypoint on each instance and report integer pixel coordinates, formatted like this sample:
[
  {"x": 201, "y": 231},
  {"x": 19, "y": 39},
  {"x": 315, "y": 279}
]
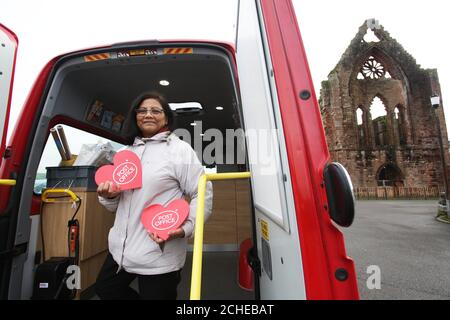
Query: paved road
[{"x": 411, "y": 248}]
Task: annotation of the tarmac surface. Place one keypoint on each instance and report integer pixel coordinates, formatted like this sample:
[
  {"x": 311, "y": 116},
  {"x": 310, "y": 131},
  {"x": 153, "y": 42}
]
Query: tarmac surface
[{"x": 410, "y": 247}]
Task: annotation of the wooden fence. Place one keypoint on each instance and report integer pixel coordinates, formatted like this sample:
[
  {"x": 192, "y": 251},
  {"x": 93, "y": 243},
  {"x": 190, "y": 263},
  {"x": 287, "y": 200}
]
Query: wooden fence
[{"x": 383, "y": 193}]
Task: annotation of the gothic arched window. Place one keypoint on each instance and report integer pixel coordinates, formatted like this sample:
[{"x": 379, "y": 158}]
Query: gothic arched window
[
  {"x": 379, "y": 121},
  {"x": 360, "y": 125},
  {"x": 399, "y": 124}
]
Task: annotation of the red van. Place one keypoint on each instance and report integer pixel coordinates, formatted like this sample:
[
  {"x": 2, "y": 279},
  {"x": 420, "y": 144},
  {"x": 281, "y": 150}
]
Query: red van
[{"x": 298, "y": 198}]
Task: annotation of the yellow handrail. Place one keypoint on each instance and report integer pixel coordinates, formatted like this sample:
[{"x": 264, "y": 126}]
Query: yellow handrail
[
  {"x": 7, "y": 182},
  {"x": 196, "y": 277},
  {"x": 72, "y": 195}
]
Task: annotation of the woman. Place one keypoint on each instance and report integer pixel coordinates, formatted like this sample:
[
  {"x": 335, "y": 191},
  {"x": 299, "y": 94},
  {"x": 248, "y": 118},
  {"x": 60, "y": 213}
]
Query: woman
[{"x": 170, "y": 170}]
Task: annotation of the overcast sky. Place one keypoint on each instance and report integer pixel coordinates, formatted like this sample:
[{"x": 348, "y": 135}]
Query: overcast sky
[{"x": 47, "y": 28}]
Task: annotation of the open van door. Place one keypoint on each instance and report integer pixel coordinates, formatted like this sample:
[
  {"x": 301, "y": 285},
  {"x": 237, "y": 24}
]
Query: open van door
[
  {"x": 8, "y": 50},
  {"x": 8, "y": 53},
  {"x": 301, "y": 252}
]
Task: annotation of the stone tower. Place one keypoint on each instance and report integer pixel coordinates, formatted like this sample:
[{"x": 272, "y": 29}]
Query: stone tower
[{"x": 398, "y": 146}]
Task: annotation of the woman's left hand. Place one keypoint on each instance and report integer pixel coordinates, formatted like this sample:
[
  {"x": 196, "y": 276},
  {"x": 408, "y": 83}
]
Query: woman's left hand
[{"x": 173, "y": 234}]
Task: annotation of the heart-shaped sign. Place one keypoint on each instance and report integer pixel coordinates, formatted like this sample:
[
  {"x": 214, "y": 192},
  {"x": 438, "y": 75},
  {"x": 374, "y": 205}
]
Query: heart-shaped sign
[
  {"x": 126, "y": 171},
  {"x": 160, "y": 220}
]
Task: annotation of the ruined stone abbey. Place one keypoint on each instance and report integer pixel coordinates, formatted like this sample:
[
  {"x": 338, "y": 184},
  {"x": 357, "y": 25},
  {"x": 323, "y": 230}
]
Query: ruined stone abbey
[{"x": 398, "y": 144}]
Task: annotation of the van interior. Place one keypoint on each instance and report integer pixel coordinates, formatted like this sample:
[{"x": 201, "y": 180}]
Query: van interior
[{"x": 93, "y": 91}]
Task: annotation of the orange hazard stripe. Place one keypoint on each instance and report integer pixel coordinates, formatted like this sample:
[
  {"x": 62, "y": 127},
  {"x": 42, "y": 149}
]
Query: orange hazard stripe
[
  {"x": 95, "y": 57},
  {"x": 178, "y": 50}
]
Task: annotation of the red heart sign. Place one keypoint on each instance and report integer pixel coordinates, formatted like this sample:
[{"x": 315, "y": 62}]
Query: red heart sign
[
  {"x": 160, "y": 220},
  {"x": 126, "y": 171}
]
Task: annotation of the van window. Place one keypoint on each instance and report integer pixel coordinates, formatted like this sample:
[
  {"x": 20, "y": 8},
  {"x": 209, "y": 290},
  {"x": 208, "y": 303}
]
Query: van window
[{"x": 82, "y": 146}]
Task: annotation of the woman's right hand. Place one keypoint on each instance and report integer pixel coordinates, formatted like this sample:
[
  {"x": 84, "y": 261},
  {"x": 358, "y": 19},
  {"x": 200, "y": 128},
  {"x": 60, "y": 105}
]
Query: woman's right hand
[{"x": 108, "y": 190}]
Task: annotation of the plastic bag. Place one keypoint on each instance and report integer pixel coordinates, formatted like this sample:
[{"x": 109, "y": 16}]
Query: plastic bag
[{"x": 95, "y": 155}]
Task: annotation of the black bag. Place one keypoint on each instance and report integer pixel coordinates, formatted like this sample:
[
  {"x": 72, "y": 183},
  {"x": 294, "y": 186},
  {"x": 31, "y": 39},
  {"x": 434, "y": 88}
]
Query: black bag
[{"x": 50, "y": 280}]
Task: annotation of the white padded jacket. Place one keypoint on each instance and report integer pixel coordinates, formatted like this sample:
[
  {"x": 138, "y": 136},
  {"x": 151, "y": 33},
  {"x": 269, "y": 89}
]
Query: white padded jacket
[{"x": 170, "y": 170}]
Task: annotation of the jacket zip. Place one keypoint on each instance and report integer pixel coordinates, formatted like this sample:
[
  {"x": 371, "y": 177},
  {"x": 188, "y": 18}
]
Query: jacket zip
[{"x": 128, "y": 220}]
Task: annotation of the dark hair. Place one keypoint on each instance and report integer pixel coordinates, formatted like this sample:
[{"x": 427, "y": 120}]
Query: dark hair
[
  {"x": 134, "y": 130},
  {"x": 164, "y": 104}
]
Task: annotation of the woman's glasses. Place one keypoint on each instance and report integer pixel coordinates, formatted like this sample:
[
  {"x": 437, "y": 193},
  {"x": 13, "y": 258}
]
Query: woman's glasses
[{"x": 152, "y": 111}]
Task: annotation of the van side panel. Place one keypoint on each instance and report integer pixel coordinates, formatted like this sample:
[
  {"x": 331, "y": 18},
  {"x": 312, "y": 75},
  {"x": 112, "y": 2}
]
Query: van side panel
[{"x": 323, "y": 250}]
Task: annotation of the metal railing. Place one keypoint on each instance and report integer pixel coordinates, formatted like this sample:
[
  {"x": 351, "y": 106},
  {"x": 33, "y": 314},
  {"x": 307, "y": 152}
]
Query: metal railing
[
  {"x": 69, "y": 193},
  {"x": 7, "y": 182},
  {"x": 196, "y": 277},
  {"x": 386, "y": 193}
]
